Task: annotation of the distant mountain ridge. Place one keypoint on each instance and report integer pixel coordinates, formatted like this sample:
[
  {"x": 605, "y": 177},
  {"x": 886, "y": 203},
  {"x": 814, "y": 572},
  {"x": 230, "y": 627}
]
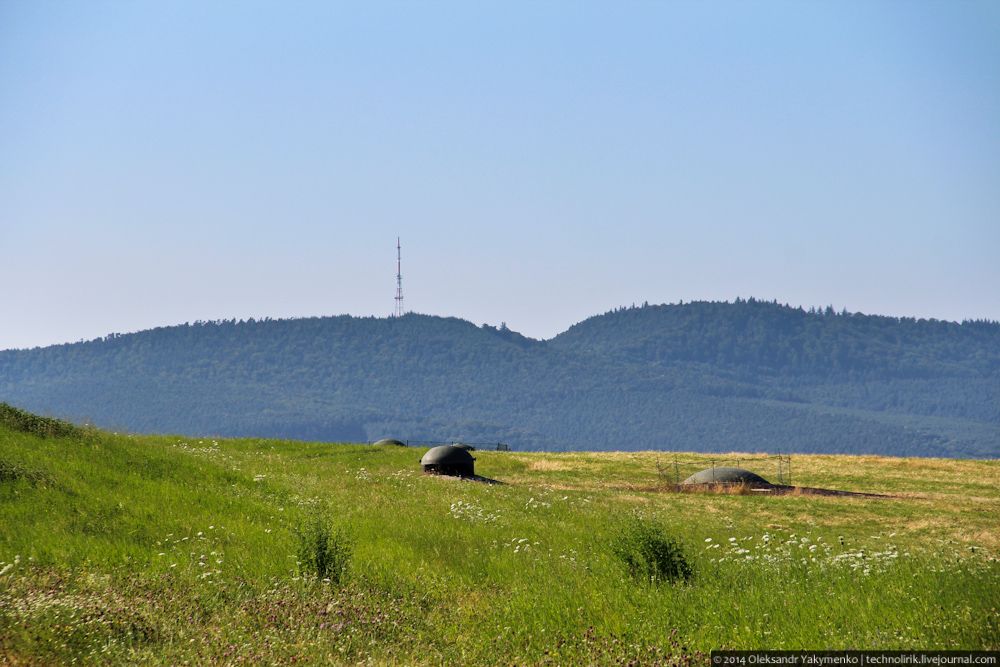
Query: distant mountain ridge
[{"x": 701, "y": 376}]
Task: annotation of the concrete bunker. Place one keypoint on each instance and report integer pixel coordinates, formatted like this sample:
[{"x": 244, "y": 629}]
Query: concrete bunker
[
  {"x": 391, "y": 442},
  {"x": 727, "y": 476},
  {"x": 449, "y": 460},
  {"x": 732, "y": 479}
]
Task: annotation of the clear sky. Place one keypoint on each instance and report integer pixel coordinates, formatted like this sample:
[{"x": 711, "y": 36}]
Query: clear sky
[{"x": 162, "y": 162}]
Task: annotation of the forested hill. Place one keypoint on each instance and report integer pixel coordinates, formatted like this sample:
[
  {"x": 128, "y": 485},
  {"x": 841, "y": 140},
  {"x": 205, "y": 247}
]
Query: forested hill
[
  {"x": 740, "y": 376},
  {"x": 762, "y": 336}
]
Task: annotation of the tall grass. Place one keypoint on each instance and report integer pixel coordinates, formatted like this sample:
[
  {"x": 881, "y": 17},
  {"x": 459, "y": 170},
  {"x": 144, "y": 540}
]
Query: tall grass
[
  {"x": 324, "y": 551},
  {"x": 649, "y": 553}
]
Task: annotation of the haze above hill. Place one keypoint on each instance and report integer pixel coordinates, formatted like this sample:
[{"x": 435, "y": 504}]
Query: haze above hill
[{"x": 703, "y": 376}]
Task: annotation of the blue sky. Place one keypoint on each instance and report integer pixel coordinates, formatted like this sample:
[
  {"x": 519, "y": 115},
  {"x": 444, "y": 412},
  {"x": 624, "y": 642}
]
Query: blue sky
[{"x": 163, "y": 162}]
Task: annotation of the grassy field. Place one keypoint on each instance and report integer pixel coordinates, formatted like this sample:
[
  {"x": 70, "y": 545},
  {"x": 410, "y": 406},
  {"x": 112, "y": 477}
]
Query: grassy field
[{"x": 174, "y": 550}]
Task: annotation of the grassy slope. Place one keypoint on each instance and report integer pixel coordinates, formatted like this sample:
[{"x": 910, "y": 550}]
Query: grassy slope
[{"x": 156, "y": 549}]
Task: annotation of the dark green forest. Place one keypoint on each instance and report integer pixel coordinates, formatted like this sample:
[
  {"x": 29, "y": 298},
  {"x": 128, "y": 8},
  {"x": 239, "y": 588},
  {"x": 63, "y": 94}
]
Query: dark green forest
[{"x": 703, "y": 376}]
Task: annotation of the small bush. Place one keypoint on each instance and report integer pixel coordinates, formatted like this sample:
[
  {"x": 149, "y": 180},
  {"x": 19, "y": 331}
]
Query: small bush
[
  {"x": 324, "y": 551},
  {"x": 12, "y": 472},
  {"x": 649, "y": 553}
]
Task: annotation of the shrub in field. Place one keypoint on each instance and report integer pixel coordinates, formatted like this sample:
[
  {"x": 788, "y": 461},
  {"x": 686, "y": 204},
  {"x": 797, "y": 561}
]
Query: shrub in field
[
  {"x": 324, "y": 551},
  {"x": 11, "y": 472},
  {"x": 649, "y": 553}
]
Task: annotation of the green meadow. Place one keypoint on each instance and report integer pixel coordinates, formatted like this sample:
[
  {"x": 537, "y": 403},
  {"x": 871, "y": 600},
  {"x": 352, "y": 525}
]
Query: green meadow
[{"x": 176, "y": 550}]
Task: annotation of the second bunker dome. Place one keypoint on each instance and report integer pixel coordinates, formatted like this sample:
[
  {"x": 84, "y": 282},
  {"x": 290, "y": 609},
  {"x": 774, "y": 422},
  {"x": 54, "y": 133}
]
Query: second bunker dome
[
  {"x": 449, "y": 460},
  {"x": 726, "y": 476}
]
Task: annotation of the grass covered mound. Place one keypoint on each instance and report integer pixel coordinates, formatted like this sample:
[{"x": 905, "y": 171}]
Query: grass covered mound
[
  {"x": 16, "y": 419},
  {"x": 166, "y": 550}
]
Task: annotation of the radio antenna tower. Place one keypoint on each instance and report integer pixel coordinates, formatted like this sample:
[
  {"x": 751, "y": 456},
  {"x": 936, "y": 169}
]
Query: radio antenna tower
[{"x": 399, "y": 280}]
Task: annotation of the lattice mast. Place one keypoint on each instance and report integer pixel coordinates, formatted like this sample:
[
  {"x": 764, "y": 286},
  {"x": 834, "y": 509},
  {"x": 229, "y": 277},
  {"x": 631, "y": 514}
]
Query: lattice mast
[{"x": 399, "y": 280}]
